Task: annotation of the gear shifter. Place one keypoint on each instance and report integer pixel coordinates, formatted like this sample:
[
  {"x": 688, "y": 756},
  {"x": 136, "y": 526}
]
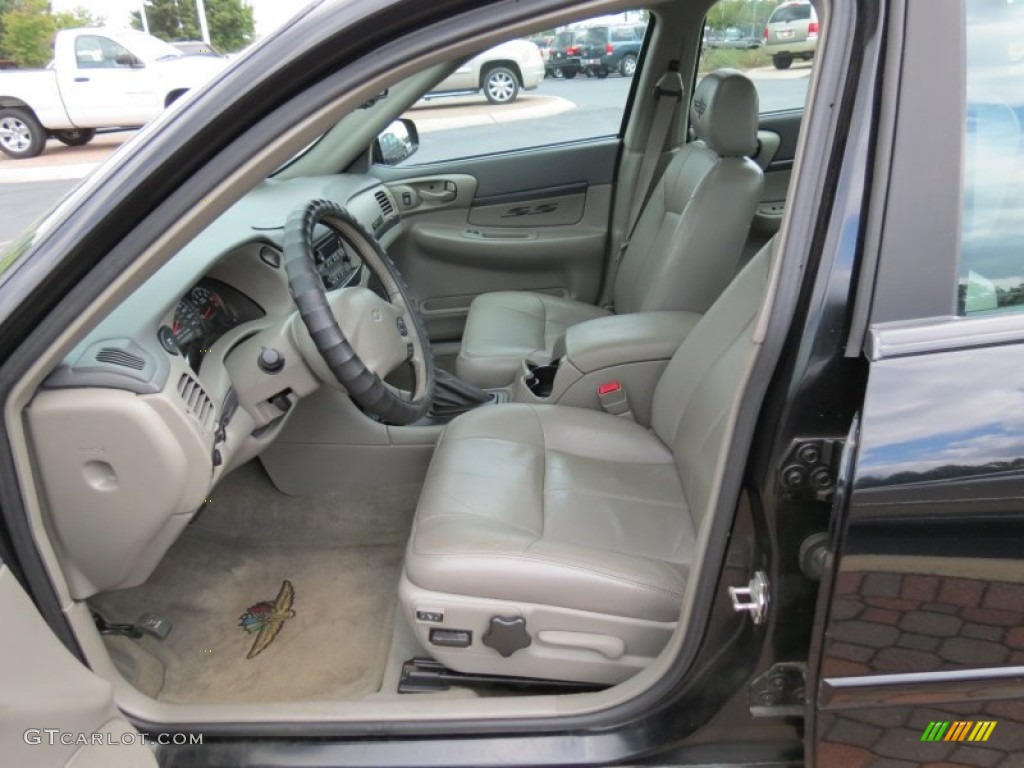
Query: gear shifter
[{"x": 453, "y": 396}]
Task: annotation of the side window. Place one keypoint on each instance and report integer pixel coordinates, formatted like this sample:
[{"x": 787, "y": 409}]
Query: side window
[
  {"x": 98, "y": 52},
  {"x": 566, "y": 84},
  {"x": 992, "y": 225},
  {"x": 773, "y": 43}
]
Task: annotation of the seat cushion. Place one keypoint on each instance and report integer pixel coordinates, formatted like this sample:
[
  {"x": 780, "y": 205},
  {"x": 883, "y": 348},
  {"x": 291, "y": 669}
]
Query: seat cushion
[
  {"x": 555, "y": 506},
  {"x": 506, "y": 327}
]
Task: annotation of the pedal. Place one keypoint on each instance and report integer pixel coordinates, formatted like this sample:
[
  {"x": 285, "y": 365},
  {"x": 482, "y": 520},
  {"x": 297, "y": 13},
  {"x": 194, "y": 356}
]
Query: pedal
[
  {"x": 421, "y": 675},
  {"x": 147, "y": 624},
  {"x": 154, "y": 625}
]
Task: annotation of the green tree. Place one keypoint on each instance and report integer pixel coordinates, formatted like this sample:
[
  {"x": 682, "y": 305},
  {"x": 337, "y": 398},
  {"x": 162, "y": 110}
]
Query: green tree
[
  {"x": 28, "y": 32},
  {"x": 231, "y": 22},
  {"x": 27, "y": 28},
  {"x": 78, "y": 17},
  {"x": 5, "y": 8},
  {"x": 232, "y": 25},
  {"x": 745, "y": 14}
]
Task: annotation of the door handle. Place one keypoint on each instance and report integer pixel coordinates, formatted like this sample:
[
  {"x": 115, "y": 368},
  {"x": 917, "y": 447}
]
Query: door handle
[
  {"x": 437, "y": 191},
  {"x": 81, "y": 79},
  {"x": 437, "y": 197}
]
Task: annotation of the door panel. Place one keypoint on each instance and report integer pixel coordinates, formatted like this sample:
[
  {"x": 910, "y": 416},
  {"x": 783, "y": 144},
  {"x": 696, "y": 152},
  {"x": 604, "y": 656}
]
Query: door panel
[
  {"x": 434, "y": 193},
  {"x": 44, "y": 687},
  {"x": 563, "y": 205},
  {"x": 777, "y": 139},
  {"x": 533, "y": 220}
]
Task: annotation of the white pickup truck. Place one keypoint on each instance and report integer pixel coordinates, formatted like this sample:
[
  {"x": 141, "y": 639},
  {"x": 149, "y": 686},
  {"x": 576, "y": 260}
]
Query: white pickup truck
[{"x": 99, "y": 78}]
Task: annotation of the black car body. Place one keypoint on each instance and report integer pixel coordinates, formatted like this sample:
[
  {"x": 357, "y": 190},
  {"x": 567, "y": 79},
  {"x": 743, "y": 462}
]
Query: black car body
[
  {"x": 612, "y": 48},
  {"x": 873, "y": 496},
  {"x": 564, "y": 59}
]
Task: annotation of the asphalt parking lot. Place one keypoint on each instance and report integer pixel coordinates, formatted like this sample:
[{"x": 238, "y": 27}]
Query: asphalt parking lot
[{"x": 557, "y": 111}]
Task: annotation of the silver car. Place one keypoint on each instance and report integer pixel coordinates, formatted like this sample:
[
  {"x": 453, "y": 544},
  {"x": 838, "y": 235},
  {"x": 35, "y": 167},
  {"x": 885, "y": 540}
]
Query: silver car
[{"x": 791, "y": 33}]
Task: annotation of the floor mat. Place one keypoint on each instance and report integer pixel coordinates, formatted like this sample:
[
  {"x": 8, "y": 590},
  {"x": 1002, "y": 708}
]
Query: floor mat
[{"x": 331, "y": 626}]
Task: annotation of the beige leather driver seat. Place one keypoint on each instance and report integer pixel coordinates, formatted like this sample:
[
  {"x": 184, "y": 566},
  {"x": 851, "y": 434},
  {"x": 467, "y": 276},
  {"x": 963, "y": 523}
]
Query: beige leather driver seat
[
  {"x": 686, "y": 246},
  {"x": 556, "y": 542}
]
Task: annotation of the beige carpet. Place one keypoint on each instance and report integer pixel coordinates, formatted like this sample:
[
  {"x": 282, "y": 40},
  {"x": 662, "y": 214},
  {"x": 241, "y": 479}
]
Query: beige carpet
[{"x": 342, "y": 556}]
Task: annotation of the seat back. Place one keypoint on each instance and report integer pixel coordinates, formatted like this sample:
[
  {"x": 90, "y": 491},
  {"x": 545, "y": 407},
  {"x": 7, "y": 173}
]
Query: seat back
[
  {"x": 696, "y": 392},
  {"x": 690, "y": 236}
]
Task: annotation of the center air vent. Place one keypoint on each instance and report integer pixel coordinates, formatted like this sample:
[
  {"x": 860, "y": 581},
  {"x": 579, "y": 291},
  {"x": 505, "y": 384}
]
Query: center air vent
[
  {"x": 196, "y": 400},
  {"x": 120, "y": 357},
  {"x": 384, "y": 201}
]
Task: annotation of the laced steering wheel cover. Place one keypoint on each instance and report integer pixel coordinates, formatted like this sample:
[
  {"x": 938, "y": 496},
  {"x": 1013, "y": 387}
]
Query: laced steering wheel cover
[{"x": 363, "y": 385}]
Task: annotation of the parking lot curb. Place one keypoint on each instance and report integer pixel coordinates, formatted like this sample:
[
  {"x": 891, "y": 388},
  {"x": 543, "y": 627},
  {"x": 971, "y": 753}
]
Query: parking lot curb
[
  {"x": 462, "y": 114},
  {"x": 69, "y": 171}
]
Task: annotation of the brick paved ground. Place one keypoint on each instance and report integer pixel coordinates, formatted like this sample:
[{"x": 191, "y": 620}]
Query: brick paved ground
[
  {"x": 894, "y": 622},
  {"x": 885, "y": 623}
]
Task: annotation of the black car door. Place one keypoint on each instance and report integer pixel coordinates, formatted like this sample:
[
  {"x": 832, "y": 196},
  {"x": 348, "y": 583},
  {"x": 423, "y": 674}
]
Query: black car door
[{"x": 921, "y": 627}]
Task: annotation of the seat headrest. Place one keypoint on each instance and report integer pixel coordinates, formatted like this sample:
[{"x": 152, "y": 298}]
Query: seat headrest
[{"x": 724, "y": 113}]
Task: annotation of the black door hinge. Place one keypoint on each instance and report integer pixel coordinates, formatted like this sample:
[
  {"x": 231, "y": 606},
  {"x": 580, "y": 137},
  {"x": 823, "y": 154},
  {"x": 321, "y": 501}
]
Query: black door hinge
[
  {"x": 779, "y": 691},
  {"x": 811, "y": 468}
]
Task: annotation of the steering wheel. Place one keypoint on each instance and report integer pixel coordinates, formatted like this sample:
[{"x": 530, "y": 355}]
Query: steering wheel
[{"x": 379, "y": 336}]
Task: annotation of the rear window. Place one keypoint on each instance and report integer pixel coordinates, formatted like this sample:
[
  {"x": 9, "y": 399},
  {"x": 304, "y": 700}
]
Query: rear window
[
  {"x": 596, "y": 36},
  {"x": 798, "y": 12}
]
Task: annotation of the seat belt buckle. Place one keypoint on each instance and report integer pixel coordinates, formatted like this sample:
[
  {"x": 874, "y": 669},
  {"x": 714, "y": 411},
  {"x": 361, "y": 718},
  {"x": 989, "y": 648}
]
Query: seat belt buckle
[{"x": 614, "y": 400}]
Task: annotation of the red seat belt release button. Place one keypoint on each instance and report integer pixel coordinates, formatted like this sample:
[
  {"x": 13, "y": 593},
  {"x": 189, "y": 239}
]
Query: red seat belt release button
[{"x": 613, "y": 399}]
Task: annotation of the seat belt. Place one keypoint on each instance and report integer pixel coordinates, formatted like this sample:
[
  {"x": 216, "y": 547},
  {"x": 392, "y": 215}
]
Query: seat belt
[{"x": 669, "y": 92}]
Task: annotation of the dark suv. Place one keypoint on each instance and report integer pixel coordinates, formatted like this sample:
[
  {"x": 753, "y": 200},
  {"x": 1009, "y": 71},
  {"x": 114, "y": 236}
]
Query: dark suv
[
  {"x": 564, "y": 60},
  {"x": 612, "y": 48}
]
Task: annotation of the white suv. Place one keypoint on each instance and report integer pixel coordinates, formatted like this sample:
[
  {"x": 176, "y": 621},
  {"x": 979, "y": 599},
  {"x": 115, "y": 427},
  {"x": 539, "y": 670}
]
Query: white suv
[
  {"x": 791, "y": 33},
  {"x": 499, "y": 72}
]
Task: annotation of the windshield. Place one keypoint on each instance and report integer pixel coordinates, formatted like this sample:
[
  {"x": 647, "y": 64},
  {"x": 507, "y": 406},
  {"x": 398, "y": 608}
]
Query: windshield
[{"x": 148, "y": 47}]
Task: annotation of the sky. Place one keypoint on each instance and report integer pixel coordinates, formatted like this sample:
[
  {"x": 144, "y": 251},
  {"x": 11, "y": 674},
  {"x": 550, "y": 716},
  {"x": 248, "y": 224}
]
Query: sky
[{"x": 269, "y": 14}]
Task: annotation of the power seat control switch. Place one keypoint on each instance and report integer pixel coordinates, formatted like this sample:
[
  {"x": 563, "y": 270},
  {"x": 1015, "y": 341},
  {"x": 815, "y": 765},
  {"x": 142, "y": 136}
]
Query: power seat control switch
[
  {"x": 430, "y": 617},
  {"x": 752, "y": 599},
  {"x": 451, "y": 638}
]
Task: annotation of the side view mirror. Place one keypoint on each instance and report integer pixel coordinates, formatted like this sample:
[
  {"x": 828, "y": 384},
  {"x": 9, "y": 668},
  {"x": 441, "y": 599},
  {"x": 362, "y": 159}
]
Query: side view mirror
[
  {"x": 128, "y": 60},
  {"x": 396, "y": 143}
]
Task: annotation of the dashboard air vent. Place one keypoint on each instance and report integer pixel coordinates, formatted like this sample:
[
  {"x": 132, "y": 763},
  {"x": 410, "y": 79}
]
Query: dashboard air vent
[
  {"x": 196, "y": 400},
  {"x": 120, "y": 357},
  {"x": 384, "y": 201}
]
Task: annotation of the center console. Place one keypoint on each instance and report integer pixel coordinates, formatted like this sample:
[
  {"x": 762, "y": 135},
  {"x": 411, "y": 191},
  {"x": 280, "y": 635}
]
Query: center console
[{"x": 606, "y": 362}]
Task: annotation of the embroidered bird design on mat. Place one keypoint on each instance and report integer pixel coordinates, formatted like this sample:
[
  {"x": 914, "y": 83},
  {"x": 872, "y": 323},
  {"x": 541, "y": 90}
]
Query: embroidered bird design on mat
[{"x": 268, "y": 618}]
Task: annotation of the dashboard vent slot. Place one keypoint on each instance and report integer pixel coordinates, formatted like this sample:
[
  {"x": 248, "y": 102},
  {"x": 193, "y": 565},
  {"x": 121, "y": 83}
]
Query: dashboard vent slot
[
  {"x": 196, "y": 400},
  {"x": 120, "y": 357},
  {"x": 384, "y": 201}
]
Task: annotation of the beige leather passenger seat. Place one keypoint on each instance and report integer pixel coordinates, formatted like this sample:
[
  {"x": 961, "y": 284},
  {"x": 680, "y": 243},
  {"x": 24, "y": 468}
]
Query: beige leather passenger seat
[
  {"x": 684, "y": 251},
  {"x": 557, "y": 542}
]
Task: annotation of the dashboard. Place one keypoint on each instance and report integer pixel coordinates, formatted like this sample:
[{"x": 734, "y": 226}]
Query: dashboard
[
  {"x": 336, "y": 266},
  {"x": 226, "y": 285},
  {"x": 203, "y": 315},
  {"x": 212, "y": 307},
  {"x": 196, "y": 371}
]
